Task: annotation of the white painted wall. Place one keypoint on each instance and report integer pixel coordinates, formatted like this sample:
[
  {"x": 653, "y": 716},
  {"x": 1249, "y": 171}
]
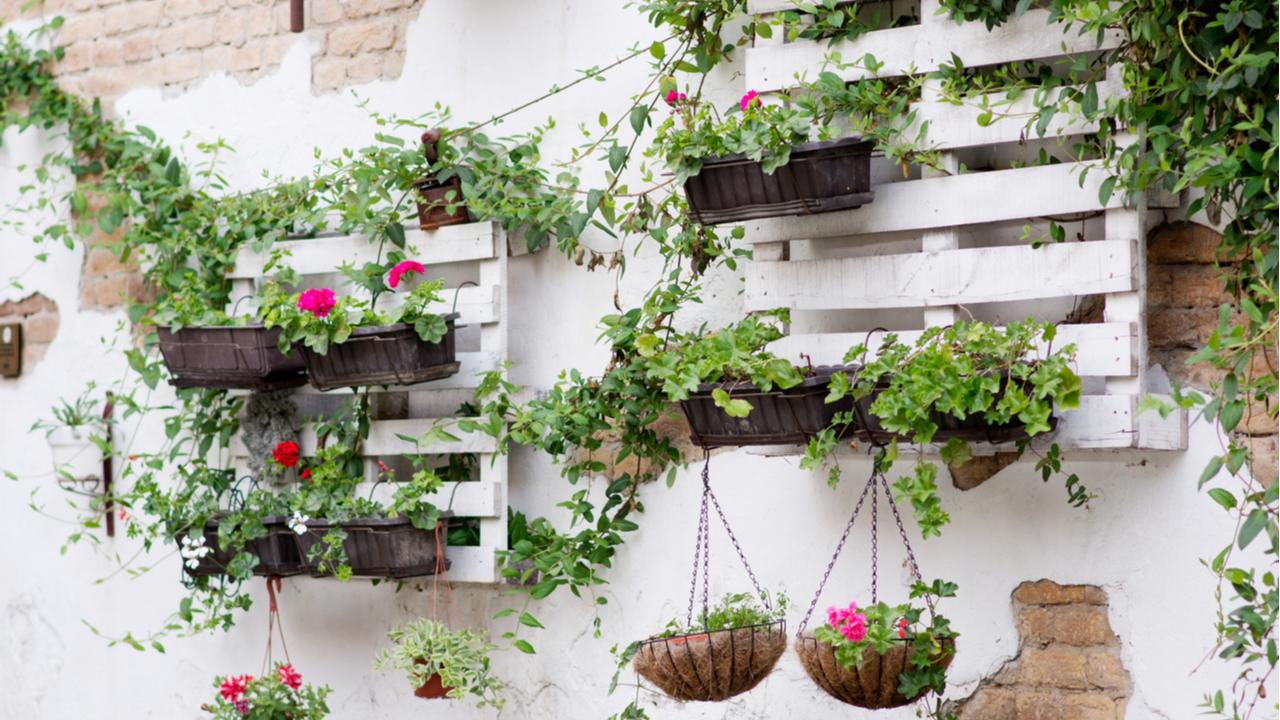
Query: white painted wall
[{"x": 1140, "y": 539}]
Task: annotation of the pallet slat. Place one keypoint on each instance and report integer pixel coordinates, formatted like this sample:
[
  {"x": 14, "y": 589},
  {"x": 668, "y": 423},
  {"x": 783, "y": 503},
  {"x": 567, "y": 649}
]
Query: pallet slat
[
  {"x": 1104, "y": 349},
  {"x": 454, "y": 243},
  {"x": 952, "y": 277},
  {"x": 922, "y": 49},
  {"x": 949, "y": 201},
  {"x": 383, "y": 439}
]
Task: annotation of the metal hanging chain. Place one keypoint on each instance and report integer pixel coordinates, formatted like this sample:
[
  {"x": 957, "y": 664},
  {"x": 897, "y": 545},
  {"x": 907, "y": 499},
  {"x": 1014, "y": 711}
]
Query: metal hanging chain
[
  {"x": 839, "y": 547},
  {"x": 911, "y": 556},
  {"x": 701, "y": 548},
  {"x": 875, "y": 523},
  {"x": 734, "y": 539}
]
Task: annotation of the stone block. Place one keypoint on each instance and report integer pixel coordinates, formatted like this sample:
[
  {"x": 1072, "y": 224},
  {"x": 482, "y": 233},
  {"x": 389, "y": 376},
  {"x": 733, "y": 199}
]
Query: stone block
[
  {"x": 1074, "y": 625},
  {"x": 365, "y": 67},
  {"x": 137, "y": 48},
  {"x": 108, "y": 53},
  {"x": 231, "y": 29},
  {"x": 1047, "y": 668},
  {"x": 362, "y": 8},
  {"x": 138, "y": 290},
  {"x": 1104, "y": 670},
  {"x": 102, "y": 261},
  {"x": 1048, "y": 592},
  {"x": 392, "y": 65},
  {"x": 325, "y": 11},
  {"x": 42, "y": 328},
  {"x": 1183, "y": 242},
  {"x": 82, "y": 5},
  {"x": 1062, "y": 706},
  {"x": 275, "y": 48},
  {"x": 78, "y": 28},
  {"x": 75, "y": 58},
  {"x": 177, "y": 69},
  {"x": 112, "y": 81},
  {"x": 199, "y": 33},
  {"x": 1258, "y": 419},
  {"x": 133, "y": 16},
  {"x": 990, "y": 704},
  {"x": 170, "y": 39},
  {"x": 980, "y": 469},
  {"x": 361, "y": 38},
  {"x": 328, "y": 74},
  {"x": 27, "y": 306},
  {"x": 50, "y": 306},
  {"x": 190, "y": 8},
  {"x": 1159, "y": 286},
  {"x": 1088, "y": 706},
  {"x": 261, "y": 21},
  {"x": 1178, "y": 327},
  {"x": 232, "y": 59},
  {"x": 110, "y": 291},
  {"x": 1264, "y": 468}
]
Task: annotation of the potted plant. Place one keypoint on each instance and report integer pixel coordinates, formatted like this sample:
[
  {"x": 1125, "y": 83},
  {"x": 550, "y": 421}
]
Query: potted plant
[
  {"x": 758, "y": 162},
  {"x": 203, "y": 347},
  {"x": 733, "y": 648},
  {"x": 881, "y": 656},
  {"x": 733, "y": 392},
  {"x": 344, "y": 342},
  {"x": 439, "y": 195},
  {"x": 279, "y": 695},
  {"x": 444, "y": 663},
  {"x": 77, "y": 438}
]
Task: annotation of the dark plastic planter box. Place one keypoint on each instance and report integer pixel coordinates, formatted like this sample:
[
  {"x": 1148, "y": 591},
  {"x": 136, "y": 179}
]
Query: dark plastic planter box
[
  {"x": 377, "y": 547},
  {"x": 213, "y": 563},
  {"x": 229, "y": 357},
  {"x": 777, "y": 417},
  {"x": 973, "y": 428},
  {"x": 433, "y": 204},
  {"x": 278, "y": 551},
  {"x": 820, "y": 177},
  {"x": 390, "y": 355}
]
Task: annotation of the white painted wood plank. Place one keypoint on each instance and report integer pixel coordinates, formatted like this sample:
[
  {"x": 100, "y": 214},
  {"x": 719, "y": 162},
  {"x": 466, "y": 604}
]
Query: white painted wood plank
[
  {"x": 956, "y": 126},
  {"x": 465, "y": 499},
  {"x": 923, "y": 47},
  {"x": 1157, "y": 433},
  {"x": 1103, "y": 349},
  {"x": 474, "y": 305},
  {"x": 475, "y": 564},
  {"x": 453, "y": 243},
  {"x": 953, "y": 277},
  {"x": 968, "y": 199},
  {"x": 383, "y": 439}
]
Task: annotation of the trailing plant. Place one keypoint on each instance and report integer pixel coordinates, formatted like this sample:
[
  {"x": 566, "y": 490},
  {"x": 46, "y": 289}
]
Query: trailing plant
[
  {"x": 424, "y": 648},
  {"x": 735, "y": 610}
]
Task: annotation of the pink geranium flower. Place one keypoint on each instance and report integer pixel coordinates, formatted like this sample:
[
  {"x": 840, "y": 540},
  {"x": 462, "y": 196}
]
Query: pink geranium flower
[
  {"x": 749, "y": 99},
  {"x": 290, "y": 677},
  {"x": 408, "y": 267},
  {"x": 674, "y": 97},
  {"x": 233, "y": 687},
  {"x": 855, "y": 628},
  {"x": 317, "y": 302}
]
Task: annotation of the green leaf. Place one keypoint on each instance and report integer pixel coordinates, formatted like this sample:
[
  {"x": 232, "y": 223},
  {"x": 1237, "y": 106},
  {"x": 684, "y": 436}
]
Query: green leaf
[
  {"x": 734, "y": 408},
  {"x": 504, "y": 613},
  {"x": 527, "y": 619},
  {"x": 658, "y": 51},
  {"x": 395, "y": 233},
  {"x": 1223, "y": 498},
  {"x": 639, "y": 114},
  {"x": 1253, "y": 525},
  {"x": 1104, "y": 192},
  {"x": 1089, "y": 105},
  {"x": 617, "y": 156},
  {"x": 524, "y": 647},
  {"x": 1210, "y": 469}
]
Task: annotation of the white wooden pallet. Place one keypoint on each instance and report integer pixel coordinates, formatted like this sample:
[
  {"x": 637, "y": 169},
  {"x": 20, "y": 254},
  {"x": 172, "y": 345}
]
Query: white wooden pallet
[
  {"x": 942, "y": 275},
  {"x": 485, "y": 245}
]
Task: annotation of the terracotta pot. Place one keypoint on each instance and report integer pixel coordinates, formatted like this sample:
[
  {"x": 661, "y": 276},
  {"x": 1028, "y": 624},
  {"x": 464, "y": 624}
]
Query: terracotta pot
[
  {"x": 433, "y": 688},
  {"x": 433, "y": 202}
]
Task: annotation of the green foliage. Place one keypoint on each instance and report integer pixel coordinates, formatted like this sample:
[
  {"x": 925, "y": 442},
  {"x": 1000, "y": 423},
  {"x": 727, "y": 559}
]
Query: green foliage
[
  {"x": 737, "y": 610},
  {"x": 731, "y": 353},
  {"x": 269, "y": 698},
  {"x": 425, "y": 647},
  {"x": 764, "y": 133}
]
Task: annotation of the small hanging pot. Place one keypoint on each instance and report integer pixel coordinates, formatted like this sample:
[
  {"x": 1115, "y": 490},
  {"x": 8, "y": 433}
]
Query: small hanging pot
[
  {"x": 874, "y": 685},
  {"x": 712, "y": 666},
  {"x": 432, "y": 196},
  {"x": 434, "y": 688}
]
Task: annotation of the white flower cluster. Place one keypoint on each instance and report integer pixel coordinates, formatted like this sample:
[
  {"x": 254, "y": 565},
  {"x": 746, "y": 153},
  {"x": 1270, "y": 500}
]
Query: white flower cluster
[
  {"x": 193, "y": 550},
  {"x": 298, "y": 523}
]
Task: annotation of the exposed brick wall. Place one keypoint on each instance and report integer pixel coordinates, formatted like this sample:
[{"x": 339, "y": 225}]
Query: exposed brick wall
[
  {"x": 1068, "y": 665},
  {"x": 38, "y": 316},
  {"x": 1184, "y": 294},
  {"x": 105, "y": 282},
  {"x": 113, "y": 46}
]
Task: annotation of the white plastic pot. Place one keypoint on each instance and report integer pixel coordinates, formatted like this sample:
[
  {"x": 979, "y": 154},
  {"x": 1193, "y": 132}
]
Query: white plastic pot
[{"x": 74, "y": 453}]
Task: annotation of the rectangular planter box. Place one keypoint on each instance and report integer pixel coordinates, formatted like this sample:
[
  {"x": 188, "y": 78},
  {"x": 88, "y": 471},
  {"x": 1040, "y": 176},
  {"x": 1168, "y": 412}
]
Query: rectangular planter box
[
  {"x": 213, "y": 563},
  {"x": 973, "y": 428},
  {"x": 820, "y": 177},
  {"x": 777, "y": 417},
  {"x": 229, "y": 357},
  {"x": 432, "y": 200},
  {"x": 378, "y": 547},
  {"x": 277, "y": 552},
  {"x": 391, "y": 355}
]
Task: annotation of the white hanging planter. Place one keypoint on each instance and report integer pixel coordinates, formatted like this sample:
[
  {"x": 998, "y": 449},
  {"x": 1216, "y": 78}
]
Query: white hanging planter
[{"x": 74, "y": 454}]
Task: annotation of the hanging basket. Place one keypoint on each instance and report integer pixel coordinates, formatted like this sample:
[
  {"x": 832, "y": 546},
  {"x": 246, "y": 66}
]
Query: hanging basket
[
  {"x": 875, "y": 685},
  {"x": 777, "y": 417},
  {"x": 820, "y": 177},
  {"x": 230, "y": 357},
  {"x": 390, "y": 355},
  {"x": 712, "y": 667}
]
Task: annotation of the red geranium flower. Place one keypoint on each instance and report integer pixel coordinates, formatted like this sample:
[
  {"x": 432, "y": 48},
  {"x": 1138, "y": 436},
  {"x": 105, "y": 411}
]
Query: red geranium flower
[
  {"x": 286, "y": 454},
  {"x": 306, "y": 475},
  {"x": 290, "y": 677},
  {"x": 233, "y": 687},
  {"x": 408, "y": 267}
]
